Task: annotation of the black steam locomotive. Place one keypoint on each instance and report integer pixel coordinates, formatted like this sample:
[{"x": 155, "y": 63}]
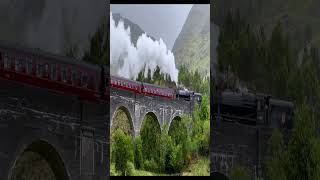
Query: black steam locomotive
[
  {"x": 189, "y": 95},
  {"x": 253, "y": 109}
]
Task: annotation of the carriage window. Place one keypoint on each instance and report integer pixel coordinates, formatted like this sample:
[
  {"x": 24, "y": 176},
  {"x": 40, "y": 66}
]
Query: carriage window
[
  {"x": 64, "y": 74},
  {"x": 38, "y": 69},
  {"x": 42, "y": 70},
  {"x": 74, "y": 77},
  {"x": 283, "y": 118},
  {"x": 258, "y": 105},
  {"x": 46, "y": 70},
  {"x": 0, "y": 60},
  {"x": 19, "y": 65},
  {"x": 7, "y": 62},
  {"x": 29, "y": 66},
  {"x": 91, "y": 84},
  {"x": 84, "y": 80},
  {"x": 53, "y": 73}
]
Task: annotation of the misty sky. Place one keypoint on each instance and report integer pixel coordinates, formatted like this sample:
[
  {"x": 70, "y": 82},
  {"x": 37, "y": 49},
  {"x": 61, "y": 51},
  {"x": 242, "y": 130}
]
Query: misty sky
[
  {"x": 163, "y": 21},
  {"x": 51, "y": 25}
]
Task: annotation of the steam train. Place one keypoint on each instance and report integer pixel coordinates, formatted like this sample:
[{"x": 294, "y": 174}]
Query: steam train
[
  {"x": 153, "y": 90},
  {"x": 34, "y": 67},
  {"x": 253, "y": 109}
]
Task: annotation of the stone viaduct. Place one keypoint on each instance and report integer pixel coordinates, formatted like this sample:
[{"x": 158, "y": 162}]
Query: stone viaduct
[
  {"x": 40, "y": 128},
  {"x": 137, "y": 106}
]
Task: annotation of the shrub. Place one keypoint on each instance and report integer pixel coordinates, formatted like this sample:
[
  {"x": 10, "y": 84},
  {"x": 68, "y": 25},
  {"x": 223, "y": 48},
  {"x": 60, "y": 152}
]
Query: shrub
[
  {"x": 186, "y": 151},
  {"x": 179, "y": 129},
  {"x": 201, "y": 130},
  {"x": 165, "y": 143},
  {"x": 176, "y": 158},
  {"x": 138, "y": 156},
  {"x": 150, "y": 137},
  {"x": 112, "y": 153},
  {"x": 122, "y": 151},
  {"x": 151, "y": 165},
  {"x": 121, "y": 121},
  {"x": 204, "y": 138},
  {"x": 129, "y": 169},
  {"x": 276, "y": 157},
  {"x": 303, "y": 150},
  {"x": 194, "y": 148},
  {"x": 239, "y": 173},
  {"x": 179, "y": 154},
  {"x": 168, "y": 156}
]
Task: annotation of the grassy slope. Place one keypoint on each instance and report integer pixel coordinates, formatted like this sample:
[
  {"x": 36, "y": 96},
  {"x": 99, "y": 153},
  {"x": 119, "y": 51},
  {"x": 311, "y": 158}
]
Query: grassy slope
[
  {"x": 195, "y": 54},
  {"x": 200, "y": 167}
]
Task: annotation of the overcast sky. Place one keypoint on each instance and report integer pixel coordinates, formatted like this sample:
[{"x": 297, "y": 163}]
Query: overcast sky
[{"x": 163, "y": 21}]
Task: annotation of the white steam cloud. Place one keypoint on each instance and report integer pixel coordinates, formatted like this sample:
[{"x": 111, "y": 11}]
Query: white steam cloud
[{"x": 127, "y": 60}]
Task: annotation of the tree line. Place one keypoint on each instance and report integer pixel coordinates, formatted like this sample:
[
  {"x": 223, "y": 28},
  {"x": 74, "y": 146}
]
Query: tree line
[
  {"x": 186, "y": 79},
  {"x": 97, "y": 51}
]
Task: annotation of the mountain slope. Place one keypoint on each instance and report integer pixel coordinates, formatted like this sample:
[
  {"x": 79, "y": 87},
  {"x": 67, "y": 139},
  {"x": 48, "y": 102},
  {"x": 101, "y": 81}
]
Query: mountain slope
[
  {"x": 192, "y": 46},
  {"x": 300, "y": 18},
  {"x": 135, "y": 29}
]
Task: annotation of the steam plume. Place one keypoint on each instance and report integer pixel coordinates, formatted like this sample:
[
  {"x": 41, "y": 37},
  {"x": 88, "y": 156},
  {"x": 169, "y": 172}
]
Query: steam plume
[{"x": 127, "y": 60}]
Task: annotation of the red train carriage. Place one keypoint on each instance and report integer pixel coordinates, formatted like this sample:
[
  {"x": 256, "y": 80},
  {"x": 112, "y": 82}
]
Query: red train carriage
[
  {"x": 125, "y": 84},
  {"x": 45, "y": 70},
  {"x": 141, "y": 88},
  {"x": 154, "y": 90}
]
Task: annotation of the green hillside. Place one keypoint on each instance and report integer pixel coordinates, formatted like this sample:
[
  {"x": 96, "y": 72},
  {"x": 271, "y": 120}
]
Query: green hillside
[{"x": 191, "y": 48}]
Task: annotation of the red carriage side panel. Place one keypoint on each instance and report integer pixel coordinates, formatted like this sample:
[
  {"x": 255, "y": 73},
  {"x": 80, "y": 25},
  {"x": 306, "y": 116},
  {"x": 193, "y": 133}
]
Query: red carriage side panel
[{"x": 36, "y": 70}]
